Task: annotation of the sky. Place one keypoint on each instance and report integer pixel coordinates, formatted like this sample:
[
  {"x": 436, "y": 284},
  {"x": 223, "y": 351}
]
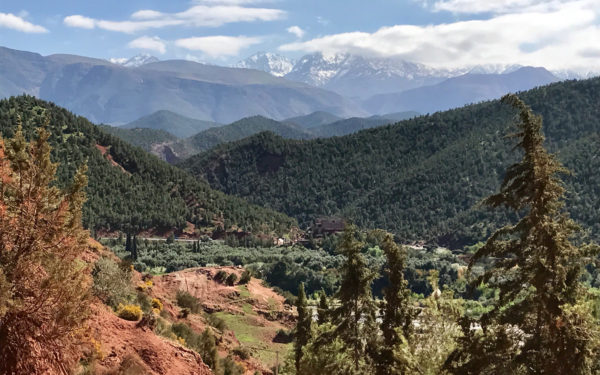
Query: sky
[{"x": 556, "y": 34}]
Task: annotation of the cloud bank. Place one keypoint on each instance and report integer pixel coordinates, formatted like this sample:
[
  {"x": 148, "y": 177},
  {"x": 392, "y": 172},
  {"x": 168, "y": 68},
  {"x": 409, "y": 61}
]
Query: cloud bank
[{"x": 554, "y": 34}]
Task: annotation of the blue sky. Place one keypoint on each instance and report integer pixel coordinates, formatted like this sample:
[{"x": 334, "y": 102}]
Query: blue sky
[{"x": 558, "y": 34}]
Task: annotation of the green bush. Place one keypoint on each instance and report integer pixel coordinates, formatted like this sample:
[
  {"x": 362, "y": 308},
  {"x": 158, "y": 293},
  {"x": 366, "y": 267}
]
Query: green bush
[
  {"x": 112, "y": 283},
  {"x": 246, "y": 277},
  {"x": 221, "y": 276},
  {"x": 231, "y": 279},
  {"x": 186, "y": 300},
  {"x": 241, "y": 352},
  {"x": 216, "y": 322}
]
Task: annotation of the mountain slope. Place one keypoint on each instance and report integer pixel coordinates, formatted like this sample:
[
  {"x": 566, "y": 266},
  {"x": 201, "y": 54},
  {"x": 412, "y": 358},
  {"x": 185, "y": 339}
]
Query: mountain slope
[
  {"x": 110, "y": 93},
  {"x": 140, "y": 137},
  {"x": 128, "y": 188},
  {"x": 459, "y": 91},
  {"x": 180, "y": 126},
  {"x": 243, "y": 128},
  {"x": 362, "y": 77},
  {"x": 314, "y": 119},
  {"x": 421, "y": 178}
]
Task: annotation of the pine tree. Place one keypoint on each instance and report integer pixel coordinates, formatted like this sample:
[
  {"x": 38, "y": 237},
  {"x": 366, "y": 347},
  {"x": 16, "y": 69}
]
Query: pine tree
[
  {"x": 396, "y": 312},
  {"x": 323, "y": 309},
  {"x": 539, "y": 324},
  {"x": 128, "y": 243},
  {"x": 44, "y": 287},
  {"x": 355, "y": 317},
  {"x": 134, "y": 253},
  {"x": 208, "y": 351},
  {"x": 302, "y": 327}
]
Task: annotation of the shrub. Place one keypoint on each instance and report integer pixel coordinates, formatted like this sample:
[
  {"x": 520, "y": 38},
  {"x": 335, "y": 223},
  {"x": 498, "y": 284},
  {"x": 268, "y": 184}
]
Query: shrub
[
  {"x": 246, "y": 277},
  {"x": 284, "y": 336},
  {"x": 157, "y": 304},
  {"x": 148, "y": 320},
  {"x": 221, "y": 276},
  {"x": 216, "y": 322},
  {"x": 241, "y": 352},
  {"x": 112, "y": 283},
  {"x": 184, "y": 313},
  {"x": 129, "y": 312},
  {"x": 231, "y": 279},
  {"x": 230, "y": 367},
  {"x": 186, "y": 300}
]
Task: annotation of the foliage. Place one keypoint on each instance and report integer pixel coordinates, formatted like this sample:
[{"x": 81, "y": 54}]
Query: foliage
[
  {"x": 129, "y": 189},
  {"x": 540, "y": 322},
  {"x": 130, "y": 312},
  {"x": 396, "y": 312},
  {"x": 112, "y": 282},
  {"x": 246, "y": 277},
  {"x": 422, "y": 178},
  {"x": 157, "y": 304},
  {"x": 302, "y": 335},
  {"x": 186, "y": 300},
  {"x": 231, "y": 279},
  {"x": 354, "y": 318},
  {"x": 140, "y": 137},
  {"x": 44, "y": 286}
]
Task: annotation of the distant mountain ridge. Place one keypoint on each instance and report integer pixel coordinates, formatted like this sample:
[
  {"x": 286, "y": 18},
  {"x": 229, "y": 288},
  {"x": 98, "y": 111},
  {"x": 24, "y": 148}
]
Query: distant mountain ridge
[
  {"x": 109, "y": 93},
  {"x": 135, "y": 61},
  {"x": 458, "y": 91},
  {"x": 178, "y": 125},
  {"x": 271, "y": 63}
]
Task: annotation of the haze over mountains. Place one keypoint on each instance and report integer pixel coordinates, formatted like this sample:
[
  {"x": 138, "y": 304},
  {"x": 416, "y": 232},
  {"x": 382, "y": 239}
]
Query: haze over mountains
[
  {"x": 111, "y": 93},
  {"x": 275, "y": 87}
]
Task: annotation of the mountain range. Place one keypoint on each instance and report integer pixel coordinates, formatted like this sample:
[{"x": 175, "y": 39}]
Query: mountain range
[
  {"x": 422, "y": 178},
  {"x": 114, "y": 94}
]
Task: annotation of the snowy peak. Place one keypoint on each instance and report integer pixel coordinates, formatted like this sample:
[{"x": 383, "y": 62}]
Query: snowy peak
[
  {"x": 135, "y": 61},
  {"x": 274, "y": 64}
]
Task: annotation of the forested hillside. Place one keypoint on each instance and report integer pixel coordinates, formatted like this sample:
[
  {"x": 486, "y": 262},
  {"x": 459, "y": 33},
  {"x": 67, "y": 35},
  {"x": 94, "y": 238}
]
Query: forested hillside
[
  {"x": 171, "y": 122},
  {"x": 421, "y": 178},
  {"x": 209, "y": 138},
  {"x": 140, "y": 137},
  {"x": 128, "y": 188}
]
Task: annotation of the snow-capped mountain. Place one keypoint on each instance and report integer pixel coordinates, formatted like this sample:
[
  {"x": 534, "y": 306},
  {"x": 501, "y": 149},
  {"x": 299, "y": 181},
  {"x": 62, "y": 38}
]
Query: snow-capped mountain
[
  {"x": 135, "y": 61},
  {"x": 358, "y": 76},
  {"x": 268, "y": 62}
]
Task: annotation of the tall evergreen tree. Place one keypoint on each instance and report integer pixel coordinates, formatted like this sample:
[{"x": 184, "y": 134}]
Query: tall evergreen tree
[
  {"x": 396, "y": 312},
  {"x": 44, "y": 288},
  {"x": 302, "y": 327},
  {"x": 323, "y": 309},
  {"x": 354, "y": 318},
  {"x": 134, "y": 253},
  {"x": 539, "y": 324},
  {"x": 128, "y": 243}
]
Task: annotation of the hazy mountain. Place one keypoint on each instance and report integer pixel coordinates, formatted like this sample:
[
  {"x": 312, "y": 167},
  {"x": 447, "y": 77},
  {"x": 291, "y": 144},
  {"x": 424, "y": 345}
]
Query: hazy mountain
[
  {"x": 178, "y": 125},
  {"x": 358, "y": 76},
  {"x": 135, "y": 61},
  {"x": 458, "y": 91},
  {"x": 272, "y": 63},
  {"x": 111, "y": 93},
  {"x": 314, "y": 119},
  {"x": 237, "y": 130},
  {"x": 398, "y": 116}
]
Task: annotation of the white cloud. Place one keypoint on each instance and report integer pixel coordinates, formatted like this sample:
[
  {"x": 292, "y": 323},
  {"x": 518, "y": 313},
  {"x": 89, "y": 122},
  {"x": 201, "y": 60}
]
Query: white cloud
[
  {"x": 10, "y": 21},
  {"x": 296, "y": 30},
  {"x": 562, "y": 37},
  {"x": 80, "y": 21},
  {"x": 118, "y": 60},
  {"x": 149, "y": 43},
  {"x": 496, "y": 6},
  {"x": 196, "y": 16},
  {"x": 218, "y": 46}
]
